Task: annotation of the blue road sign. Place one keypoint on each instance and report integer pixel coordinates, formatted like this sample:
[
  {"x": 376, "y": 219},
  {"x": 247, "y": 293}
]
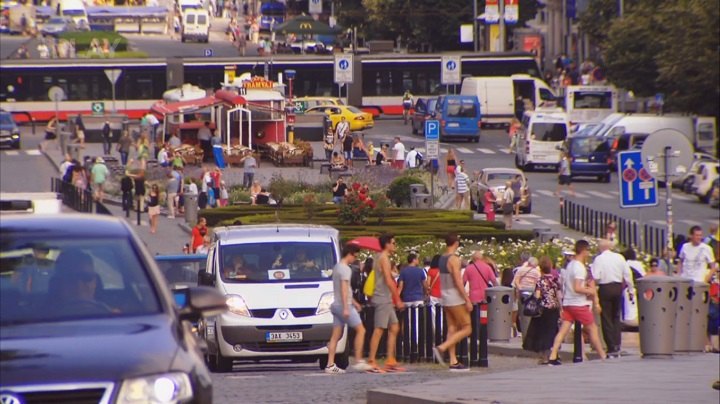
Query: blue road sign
[
  {"x": 637, "y": 187},
  {"x": 451, "y": 65},
  {"x": 208, "y": 52},
  {"x": 432, "y": 129},
  {"x": 343, "y": 64}
]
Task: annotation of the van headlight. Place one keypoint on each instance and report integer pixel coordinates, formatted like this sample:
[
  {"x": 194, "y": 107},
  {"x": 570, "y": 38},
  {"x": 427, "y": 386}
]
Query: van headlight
[
  {"x": 162, "y": 388},
  {"x": 325, "y": 301},
  {"x": 237, "y": 305}
]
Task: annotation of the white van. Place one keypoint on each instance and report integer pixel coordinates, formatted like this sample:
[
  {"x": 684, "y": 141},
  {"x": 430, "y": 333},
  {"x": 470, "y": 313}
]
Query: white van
[
  {"x": 278, "y": 283},
  {"x": 540, "y": 139},
  {"x": 195, "y": 25},
  {"x": 590, "y": 104},
  {"x": 76, "y": 10},
  {"x": 499, "y": 96},
  {"x": 701, "y": 132}
]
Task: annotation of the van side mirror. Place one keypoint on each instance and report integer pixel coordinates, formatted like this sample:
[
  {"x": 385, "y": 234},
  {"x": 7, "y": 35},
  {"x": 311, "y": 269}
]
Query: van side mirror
[{"x": 205, "y": 278}]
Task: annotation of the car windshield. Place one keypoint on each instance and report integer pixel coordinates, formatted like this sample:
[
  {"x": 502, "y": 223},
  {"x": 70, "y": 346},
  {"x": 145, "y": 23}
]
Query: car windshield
[
  {"x": 549, "y": 132},
  {"x": 495, "y": 177},
  {"x": 6, "y": 119},
  {"x": 74, "y": 12},
  {"x": 56, "y": 21},
  {"x": 277, "y": 262},
  {"x": 354, "y": 110},
  {"x": 181, "y": 271},
  {"x": 461, "y": 109},
  {"x": 56, "y": 279},
  {"x": 589, "y": 145}
]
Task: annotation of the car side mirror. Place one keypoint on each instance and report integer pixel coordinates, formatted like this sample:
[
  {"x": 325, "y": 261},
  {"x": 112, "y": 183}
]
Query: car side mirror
[
  {"x": 199, "y": 301},
  {"x": 205, "y": 278}
]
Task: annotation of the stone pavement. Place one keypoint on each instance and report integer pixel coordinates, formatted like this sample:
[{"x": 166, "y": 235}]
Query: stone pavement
[{"x": 682, "y": 379}]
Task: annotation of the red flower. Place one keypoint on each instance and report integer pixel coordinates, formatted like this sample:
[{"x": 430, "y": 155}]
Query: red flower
[{"x": 355, "y": 186}]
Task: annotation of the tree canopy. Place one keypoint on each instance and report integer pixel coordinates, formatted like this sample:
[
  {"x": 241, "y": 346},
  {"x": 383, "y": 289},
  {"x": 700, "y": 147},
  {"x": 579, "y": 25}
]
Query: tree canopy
[{"x": 669, "y": 47}]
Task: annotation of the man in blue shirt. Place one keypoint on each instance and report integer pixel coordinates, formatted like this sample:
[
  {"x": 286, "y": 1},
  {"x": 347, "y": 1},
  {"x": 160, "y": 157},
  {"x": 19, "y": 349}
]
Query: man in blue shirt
[{"x": 412, "y": 282}]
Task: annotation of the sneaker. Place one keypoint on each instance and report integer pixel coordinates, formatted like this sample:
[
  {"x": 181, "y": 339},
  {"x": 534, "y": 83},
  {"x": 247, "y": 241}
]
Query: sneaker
[
  {"x": 438, "y": 356},
  {"x": 554, "y": 362},
  {"x": 459, "y": 367},
  {"x": 362, "y": 366},
  {"x": 334, "y": 370},
  {"x": 612, "y": 355}
]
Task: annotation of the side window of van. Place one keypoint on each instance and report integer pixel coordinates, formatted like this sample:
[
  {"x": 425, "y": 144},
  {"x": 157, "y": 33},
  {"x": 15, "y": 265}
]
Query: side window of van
[{"x": 546, "y": 95}]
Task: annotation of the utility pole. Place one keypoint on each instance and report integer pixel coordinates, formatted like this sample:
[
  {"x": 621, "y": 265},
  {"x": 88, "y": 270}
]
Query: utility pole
[
  {"x": 475, "y": 25},
  {"x": 501, "y": 25}
]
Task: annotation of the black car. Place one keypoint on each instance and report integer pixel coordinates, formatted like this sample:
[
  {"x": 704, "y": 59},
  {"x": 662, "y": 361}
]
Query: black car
[
  {"x": 86, "y": 316},
  {"x": 424, "y": 109}
]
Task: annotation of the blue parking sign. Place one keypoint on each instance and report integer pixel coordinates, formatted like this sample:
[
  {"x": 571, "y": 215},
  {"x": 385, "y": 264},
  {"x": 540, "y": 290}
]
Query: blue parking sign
[
  {"x": 432, "y": 129},
  {"x": 637, "y": 187}
]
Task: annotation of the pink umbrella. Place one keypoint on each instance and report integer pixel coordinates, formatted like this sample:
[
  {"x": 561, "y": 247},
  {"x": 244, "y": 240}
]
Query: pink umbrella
[{"x": 366, "y": 242}]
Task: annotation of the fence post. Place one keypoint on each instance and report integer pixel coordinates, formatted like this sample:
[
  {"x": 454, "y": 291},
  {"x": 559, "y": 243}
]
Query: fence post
[
  {"x": 577, "y": 343},
  {"x": 429, "y": 331},
  {"x": 414, "y": 334},
  {"x": 421, "y": 333}
]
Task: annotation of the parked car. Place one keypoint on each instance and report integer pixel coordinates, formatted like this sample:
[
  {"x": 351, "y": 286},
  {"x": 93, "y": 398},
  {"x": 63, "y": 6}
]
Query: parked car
[
  {"x": 58, "y": 25},
  {"x": 715, "y": 194},
  {"x": 624, "y": 142},
  {"x": 9, "y": 131},
  {"x": 685, "y": 182},
  {"x": 702, "y": 185},
  {"x": 589, "y": 157},
  {"x": 495, "y": 179},
  {"x": 424, "y": 109},
  {"x": 358, "y": 120},
  {"x": 85, "y": 316}
]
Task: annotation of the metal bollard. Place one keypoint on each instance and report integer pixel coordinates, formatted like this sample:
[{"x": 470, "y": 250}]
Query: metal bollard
[
  {"x": 577, "y": 343},
  {"x": 414, "y": 354},
  {"x": 422, "y": 333},
  {"x": 429, "y": 331}
]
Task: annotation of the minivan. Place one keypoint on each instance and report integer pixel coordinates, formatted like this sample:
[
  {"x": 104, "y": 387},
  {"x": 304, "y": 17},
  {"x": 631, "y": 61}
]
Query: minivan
[
  {"x": 196, "y": 25},
  {"x": 540, "y": 139},
  {"x": 459, "y": 117},
  {"x": 278, "y": 283},
  {"x": 589, "y": 157}
]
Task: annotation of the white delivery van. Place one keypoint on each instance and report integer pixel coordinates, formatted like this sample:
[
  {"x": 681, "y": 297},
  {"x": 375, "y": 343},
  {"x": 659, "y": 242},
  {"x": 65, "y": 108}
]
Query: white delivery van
[
  {"x": 701, "y": 132},
  {"x": 195, "y": 25},
  {"x": 504, "y": 97},
  {"x": 540, "y": 139},
  {"x": 76, "y": 10},
  {"x": 278, "y": 283}
]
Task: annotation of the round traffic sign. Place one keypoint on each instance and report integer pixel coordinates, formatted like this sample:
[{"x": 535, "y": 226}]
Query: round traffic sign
[
  {"x": 644, "y": 175},
  {"x": 343, "y": 64},
  {"x": 629, "y": 174},
  {"x": 56, "y": 94},
  {"x": 451, "y": 65}
]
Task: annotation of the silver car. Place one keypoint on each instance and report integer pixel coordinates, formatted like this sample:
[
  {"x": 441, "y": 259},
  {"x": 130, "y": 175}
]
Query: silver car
[
  {"x": 58, "y": 25},
  {"x": 495, "y": 179}
]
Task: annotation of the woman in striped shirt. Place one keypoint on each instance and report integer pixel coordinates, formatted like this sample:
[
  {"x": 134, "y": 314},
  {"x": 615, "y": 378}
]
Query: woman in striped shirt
[{"x": 462, "y": 186}]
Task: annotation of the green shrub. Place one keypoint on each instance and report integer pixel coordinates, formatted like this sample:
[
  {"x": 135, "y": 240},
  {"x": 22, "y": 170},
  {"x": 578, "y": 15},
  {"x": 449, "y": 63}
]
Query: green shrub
[
  {"x": 399, "y": 189},
  {"x": 239, "y": 195},
  {"x": 82, "y": 40}
]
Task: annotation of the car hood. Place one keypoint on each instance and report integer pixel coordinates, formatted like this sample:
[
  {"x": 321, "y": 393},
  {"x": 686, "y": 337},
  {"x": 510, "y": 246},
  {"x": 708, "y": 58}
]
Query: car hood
[{"x": 92, "y": 350}]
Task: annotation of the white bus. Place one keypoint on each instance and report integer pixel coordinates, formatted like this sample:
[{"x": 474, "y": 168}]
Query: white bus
[{"x": 590, "y": 104}]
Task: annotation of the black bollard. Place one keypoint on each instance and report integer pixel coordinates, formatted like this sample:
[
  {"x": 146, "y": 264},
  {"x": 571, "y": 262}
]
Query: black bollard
[
  {"x": 403, "y": 342},
  {"x": 413, "y": 333},
  {"x": 577, "y": 348},
  {"x": 483, "y": 362},
  {"x": 429, "y": 332},
  {"x": 422, "y": 333},
  {"x": 474, "y": 335}
]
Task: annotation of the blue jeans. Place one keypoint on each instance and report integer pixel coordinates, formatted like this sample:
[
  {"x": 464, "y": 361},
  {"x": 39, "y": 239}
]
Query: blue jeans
[
  {"x": 248, "y": 179},
  {"x": 124, "y": 157},
  {"x": 337, "y": 200}
]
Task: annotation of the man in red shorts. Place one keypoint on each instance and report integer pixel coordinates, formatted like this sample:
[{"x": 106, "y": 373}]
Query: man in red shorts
[{"x": 577, "y": 302}]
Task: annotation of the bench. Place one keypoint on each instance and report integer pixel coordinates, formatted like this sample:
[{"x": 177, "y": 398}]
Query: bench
[
  {"x": 325, "y": 167},
  {"x": 335, "y": 174}
]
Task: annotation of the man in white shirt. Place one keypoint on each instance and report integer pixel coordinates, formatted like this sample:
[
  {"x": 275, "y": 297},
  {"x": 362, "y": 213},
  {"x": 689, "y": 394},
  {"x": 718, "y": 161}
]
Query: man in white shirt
[
  {"x": 577, "y": 300},
  {"x": 411, "y": 158},
  {"x": 342, "y": 129},
  {"x": 696, "y": 258},
  {"x": 398, "y": 154},
  {"x": 610, "y": 270}
]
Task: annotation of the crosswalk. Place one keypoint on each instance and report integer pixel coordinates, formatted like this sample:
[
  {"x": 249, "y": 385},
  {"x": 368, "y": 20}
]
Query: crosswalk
[
  {"x": 473, "y": 151},
  {"x": 607, "y": 195},
  {"x": 31, "y": 152}
]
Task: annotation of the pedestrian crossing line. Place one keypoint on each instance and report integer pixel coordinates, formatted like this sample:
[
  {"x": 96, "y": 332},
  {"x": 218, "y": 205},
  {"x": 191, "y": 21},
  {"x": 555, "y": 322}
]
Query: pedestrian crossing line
[
  {"x": 658, "y": 222},
  {"x": 33, "y": 152},
  {"x": 549, "y": 221},
  {"x": 246, "y": 377},
  {"x": 485, "y": 151},
  {"x": 616, "y": 193},
  {"x": 523, "y": 222},
  {"x": 600, "y": 194},
  {"x": 580, "y": 195},
  {"x": 12, "y": 153},
  {"x": 464, "y": 150},
  {"x": 530, "y": 216},
  {"x": 443, "y": 150},
  {"x": 544, "y": 192}
]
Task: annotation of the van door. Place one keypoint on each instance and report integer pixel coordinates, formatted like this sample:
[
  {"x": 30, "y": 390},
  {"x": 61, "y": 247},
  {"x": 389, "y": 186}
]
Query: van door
[
  {"x": 524, "y": 89},
  {"x": 706, "y": 133}
]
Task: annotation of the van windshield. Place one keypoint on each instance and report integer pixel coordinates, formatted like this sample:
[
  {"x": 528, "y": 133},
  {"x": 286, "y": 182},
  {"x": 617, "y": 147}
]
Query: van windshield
[
  {"x": 549, "y": 132},
  {"x": 592, "y": 100},
  {"x": 461, "y": 108},
  {"x": 282, "y": 261},
  {"x": 75, "y": 13}
]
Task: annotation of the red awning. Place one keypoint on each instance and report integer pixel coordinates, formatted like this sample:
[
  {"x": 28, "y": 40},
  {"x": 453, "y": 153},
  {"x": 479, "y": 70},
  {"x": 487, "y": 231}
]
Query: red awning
[
  {"x": 230, "y": 97},
  {"x": 164, "y": 108}
]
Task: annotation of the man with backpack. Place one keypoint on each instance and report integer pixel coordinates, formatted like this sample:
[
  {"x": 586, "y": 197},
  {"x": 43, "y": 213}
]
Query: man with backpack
[{"x": 413, "y": 159}]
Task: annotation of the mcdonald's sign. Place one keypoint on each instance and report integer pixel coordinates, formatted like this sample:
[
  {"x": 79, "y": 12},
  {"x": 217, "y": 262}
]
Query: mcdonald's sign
[{"x": 306, "y": 25}]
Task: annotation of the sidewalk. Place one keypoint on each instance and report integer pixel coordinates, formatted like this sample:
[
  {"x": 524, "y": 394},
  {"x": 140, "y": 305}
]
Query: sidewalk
[{"x": 683, "y": 379}]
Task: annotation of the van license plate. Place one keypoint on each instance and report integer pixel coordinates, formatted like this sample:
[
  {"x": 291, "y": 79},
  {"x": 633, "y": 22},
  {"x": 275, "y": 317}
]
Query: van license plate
[
  {"x": 283, "y": 336},
  {"x": 581, "y": 160},
  {"x": 453, "y": 125}
]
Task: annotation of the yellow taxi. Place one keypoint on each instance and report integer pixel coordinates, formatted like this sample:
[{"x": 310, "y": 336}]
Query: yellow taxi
[
  {"x": 358, "y": 120},
  {"x": 304, "y": 103}
]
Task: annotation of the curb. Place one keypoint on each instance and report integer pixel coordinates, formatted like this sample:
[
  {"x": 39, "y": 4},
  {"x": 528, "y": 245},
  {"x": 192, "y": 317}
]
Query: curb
[{"x": 50, "y": 159}]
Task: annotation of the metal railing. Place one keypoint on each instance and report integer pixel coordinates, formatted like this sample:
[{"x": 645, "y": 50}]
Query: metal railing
[
  {"x": 642, "y": 237},
  {"x": 78, "y": 199}
]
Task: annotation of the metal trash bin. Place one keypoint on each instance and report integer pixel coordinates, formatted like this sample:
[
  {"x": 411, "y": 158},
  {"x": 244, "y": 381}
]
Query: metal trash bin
[
  {"x": 699, "y": 306},
  {"x": 417, "y": 189},
  {"x": 190, "y": 202},
  {"x": 500, "y": 300},
  {"x": 657, "y": 298},
  {"x": 421, "y": 201},
  {"x": 524, "y": 320},
  {"x": 682, "y": 314}
]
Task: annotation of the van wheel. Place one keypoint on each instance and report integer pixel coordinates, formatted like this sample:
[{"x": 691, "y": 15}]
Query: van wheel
[
  {"x": 414, "y": 129},
  {"x": 182, "y": 38},
  {"x": 517, "y": 162},
  {"x": 527, "y": 167},
  {"x": 323, "y": 362},
  {"x": 342, "y": 360},
  {"x": 218, "y": 363},
  {"x": 476, "y": 139}
]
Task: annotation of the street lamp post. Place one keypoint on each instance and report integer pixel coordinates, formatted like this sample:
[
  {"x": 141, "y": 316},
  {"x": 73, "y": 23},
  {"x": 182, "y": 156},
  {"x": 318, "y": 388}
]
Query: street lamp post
[{"x": 290, "y": 109}]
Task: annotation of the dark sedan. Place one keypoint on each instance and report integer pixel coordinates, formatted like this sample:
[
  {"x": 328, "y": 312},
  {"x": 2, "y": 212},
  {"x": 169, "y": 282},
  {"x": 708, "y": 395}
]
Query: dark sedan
[{"x": 86, "y": 316}]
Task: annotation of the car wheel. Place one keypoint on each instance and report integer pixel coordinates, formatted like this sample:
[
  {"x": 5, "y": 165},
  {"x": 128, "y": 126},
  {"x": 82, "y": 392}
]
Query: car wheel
[
  {"x": 687, "y": 185},
  {"x": 527, "y": 167},
  {"x": 476, "y": 139},
  {"x": 414, "y": 129},
  {"x": 182, "y": 39},
  {"x": 323, "y": 362},
  {"x": 342, "y": 360},
  {"x": 705, "y": 198},
  {"x": 16, "y": 145},
  {"x": 606, "y": 178}
]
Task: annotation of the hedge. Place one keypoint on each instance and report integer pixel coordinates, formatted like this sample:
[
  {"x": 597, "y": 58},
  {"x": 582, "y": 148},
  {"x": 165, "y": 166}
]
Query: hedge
[
  {"x": 83, "y": 39},
  {"x": 409, "y": 225}
]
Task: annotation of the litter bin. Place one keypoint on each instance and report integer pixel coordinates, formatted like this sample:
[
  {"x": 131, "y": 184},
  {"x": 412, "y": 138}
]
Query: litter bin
[
  {"x": 699, "y": 306},
  {"x": 682, "y": 314},
  {"x": 190, "y": 202},
  {"x": 657, "y": 303},
  {"x": 500, "y": 300},
  {"x": 524, "y": 320},
  {"x": 417, "y": 189}
]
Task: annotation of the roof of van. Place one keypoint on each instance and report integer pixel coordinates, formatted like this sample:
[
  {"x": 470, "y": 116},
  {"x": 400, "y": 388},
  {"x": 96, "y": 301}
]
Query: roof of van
[
  {"x": 257, "y": 232},
  {"x": 550, "y": 116}
]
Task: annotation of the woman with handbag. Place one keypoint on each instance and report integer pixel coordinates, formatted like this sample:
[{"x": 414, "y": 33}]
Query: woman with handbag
[{"x": 546, "y": 301}]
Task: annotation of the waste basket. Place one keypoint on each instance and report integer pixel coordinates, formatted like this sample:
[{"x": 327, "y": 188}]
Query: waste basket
[
  {"x": 421, "y": 201},
  {"x": 190, "y": 202},
  {"x": 657, "y": 298},
  {"x": 682, "y": 314},
  {"x": 500, "y": 300},
  {"x": 699, "y": 306},
  {"x": 417, "y": 189}
]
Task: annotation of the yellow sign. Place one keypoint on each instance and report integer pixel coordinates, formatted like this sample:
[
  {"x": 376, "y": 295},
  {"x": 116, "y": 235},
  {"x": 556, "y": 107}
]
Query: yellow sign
[
  {"x": 258, "y": 83},
  {"x": 306, "y": 25},
  {"x": 230, "y": 73}
]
